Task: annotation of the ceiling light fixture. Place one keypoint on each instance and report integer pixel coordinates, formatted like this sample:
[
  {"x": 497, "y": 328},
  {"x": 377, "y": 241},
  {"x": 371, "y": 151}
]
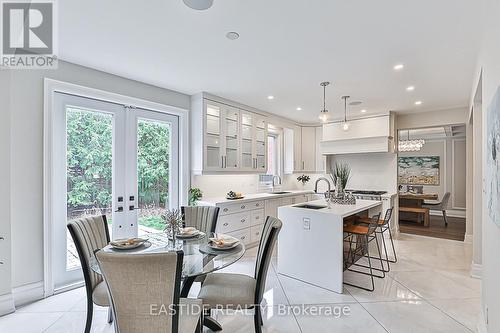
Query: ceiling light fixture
[
  {"x": 410, "y": 88},
  {"x": 410, "y": 145},
  {"x": 418, "y": 103},
  {"x": 399, "y": 67},
  {"x": 323, "y": 115},
  {"x": 299, "y": 108},
  {"x": 199, "y": 4},
  {"x": 270, "y": 97},
  {"x": 345, "y": 125},
  {"x": 232, "y": 35}
]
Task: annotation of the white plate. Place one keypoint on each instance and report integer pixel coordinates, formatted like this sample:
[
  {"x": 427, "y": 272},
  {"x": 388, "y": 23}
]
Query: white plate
[
  {"x": 127, "y": 247},
  {"x": 227, "y": 247},
  {"x": 193, "y": 235}
]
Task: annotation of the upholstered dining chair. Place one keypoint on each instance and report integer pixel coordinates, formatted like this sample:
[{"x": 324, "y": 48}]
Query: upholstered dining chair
[
  {"x": 89, "y": 234},
  {"x": 203, "y": 218},
  {"x": 439, "y": 205},
  {"x": 145, "y": 292},
  {"x": 229, "y": 290}
]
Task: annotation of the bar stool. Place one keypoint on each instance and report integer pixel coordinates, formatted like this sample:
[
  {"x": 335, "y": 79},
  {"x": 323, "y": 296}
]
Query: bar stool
[
  {"x": 383, "y": 226},
  {"x": 363, "y": 234}
]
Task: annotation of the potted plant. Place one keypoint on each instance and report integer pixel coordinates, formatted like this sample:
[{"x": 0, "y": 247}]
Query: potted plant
[
  {"x": 304, "y": 179},
  {"x": 340, "y": 174},
  {"x": 195, "y": 194}
]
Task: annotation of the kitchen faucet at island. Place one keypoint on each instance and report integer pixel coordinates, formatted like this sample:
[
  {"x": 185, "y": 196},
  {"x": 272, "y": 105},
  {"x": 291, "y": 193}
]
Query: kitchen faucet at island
[{"x": 327, "y": 182}]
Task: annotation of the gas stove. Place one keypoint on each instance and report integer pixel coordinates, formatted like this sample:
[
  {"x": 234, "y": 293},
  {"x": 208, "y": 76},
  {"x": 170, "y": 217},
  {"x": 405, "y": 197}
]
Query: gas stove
[{"x": 367, "y": 195}]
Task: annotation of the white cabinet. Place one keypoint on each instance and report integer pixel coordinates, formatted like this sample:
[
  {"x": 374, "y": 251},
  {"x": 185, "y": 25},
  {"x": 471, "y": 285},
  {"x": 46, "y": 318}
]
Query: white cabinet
[
  {"x": 225, "y": 138},
  {"x": 320, "y": 158},
  {"x": 272, "y": 207},
  {"x": 297, "y": 149},
  {"x": 308, "y": 148}
]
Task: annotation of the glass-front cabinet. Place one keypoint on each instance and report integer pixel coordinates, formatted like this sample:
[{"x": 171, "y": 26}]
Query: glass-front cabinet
[{"x": 233, "y": 139}]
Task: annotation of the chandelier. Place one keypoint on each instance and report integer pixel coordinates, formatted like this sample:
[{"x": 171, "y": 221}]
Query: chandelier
[{"x": 410, "y": 145}]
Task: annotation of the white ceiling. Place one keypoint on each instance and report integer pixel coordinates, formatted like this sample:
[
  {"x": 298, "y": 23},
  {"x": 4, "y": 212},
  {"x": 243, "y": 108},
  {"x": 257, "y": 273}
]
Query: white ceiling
[{"x": 286, "y": 49}]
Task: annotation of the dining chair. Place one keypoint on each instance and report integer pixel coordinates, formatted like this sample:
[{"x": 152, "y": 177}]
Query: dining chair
[
  {"x": 203, "y": 218},
  {"x": 439, "y": 205},
  {"x": 360, "y": 236},
  {"x": 230, "y": 291},
  {"x": 383, "y": 226},
  {"x": 145, "y": 292},
  {"x": 89, "y": 234}
]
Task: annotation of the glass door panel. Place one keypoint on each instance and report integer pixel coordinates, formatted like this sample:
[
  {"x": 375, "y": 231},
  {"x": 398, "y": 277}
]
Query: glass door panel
[
  {"x": 213, "y": 137},
  {"x": 261, "y": 138},
  {"x": 86, "y": 166},
  {"x": 231, "y": 131},
  {"x": 247, "y": 136},
  {"x": 153, "y": 173}
]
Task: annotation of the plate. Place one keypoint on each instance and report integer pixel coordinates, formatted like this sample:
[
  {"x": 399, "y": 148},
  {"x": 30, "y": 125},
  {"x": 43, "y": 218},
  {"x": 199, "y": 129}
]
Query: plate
[
  {"x": 234, "y": 242},
  {"x": 198, "y": 234},
  {"x": 136, "y": 243}
]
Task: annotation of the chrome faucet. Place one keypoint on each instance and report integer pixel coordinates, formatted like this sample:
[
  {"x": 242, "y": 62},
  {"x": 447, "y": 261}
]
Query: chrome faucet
[
  {"x": 279, "y": 181},
  {"x": 327, "y": 182}
]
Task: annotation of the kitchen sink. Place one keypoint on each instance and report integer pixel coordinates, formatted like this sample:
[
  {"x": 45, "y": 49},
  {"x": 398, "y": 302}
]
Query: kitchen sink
[
  {"x": 307, "y": 206},
  {"x": 282, "y": 192}
]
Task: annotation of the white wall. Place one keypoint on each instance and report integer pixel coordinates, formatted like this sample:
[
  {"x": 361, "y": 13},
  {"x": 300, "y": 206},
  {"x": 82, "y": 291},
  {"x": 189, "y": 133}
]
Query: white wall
[
  {"x": 489, "y": 61},
  {"x": 27, "y": 153},
  {"x": 6, "y": 303}
]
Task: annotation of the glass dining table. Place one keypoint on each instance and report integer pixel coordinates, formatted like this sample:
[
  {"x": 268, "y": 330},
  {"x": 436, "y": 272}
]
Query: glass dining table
[{"x": 199, "y": 259}]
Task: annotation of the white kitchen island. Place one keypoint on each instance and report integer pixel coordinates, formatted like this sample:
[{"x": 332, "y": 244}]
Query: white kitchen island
[{"x": 310, "y": 244}]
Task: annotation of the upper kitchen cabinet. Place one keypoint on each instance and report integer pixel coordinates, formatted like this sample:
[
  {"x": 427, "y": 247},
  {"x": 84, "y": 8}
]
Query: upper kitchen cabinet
[
  {"x": 302, "y": 150},
  {"x": 225, "y": 138}
]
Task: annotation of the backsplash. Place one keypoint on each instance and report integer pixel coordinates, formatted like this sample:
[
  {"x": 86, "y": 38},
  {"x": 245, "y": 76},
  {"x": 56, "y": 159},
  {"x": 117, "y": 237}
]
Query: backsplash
[{"x": 214, "y": 186}]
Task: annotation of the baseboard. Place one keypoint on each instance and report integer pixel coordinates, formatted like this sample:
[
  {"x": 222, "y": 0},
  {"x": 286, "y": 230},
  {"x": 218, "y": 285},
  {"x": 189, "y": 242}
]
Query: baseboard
[
  {"x": 28, "y": 293},
  {"x": 481, "y": 323},
  {"x": 469, "y": 239},
  {"x": 476, "y": 271},
  {"x": 6, "y": 304}
]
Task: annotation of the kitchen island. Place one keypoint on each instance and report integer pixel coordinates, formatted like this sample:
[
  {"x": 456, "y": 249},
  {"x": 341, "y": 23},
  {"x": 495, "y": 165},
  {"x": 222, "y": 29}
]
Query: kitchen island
[{"x": 310, "y": 244}]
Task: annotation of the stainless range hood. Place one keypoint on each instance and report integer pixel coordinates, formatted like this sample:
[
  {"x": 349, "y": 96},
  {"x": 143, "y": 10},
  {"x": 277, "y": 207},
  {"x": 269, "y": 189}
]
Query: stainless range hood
[{"x": 367, "y": 135}]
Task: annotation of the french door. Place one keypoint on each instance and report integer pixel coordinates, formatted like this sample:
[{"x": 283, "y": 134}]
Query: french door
[{"x": 113, "y": 160}]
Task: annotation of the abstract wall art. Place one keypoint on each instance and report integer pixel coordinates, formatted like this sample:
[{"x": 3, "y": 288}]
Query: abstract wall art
[
  {"x": 418, "y": 170},
  {"x": 492, "y": 159}
]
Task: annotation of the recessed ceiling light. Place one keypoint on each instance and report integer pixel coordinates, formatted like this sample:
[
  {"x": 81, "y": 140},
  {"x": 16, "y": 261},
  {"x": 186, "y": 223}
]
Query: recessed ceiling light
[
  {"x": 399, "y": 67},
  {"x": 232, "y": 35},
  {"x": 199, "y": 4},
  {"x": 299, "y": 108},
  {"x": 363, "y": 111},
  {"x": 410, "y": 88},
  {"x": 418, "y": 102},
  {"x": 270, "y": 97}
]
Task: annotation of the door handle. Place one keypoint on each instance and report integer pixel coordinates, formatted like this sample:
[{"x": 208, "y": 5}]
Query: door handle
[
  {"x": 119, "y": 210},
  {"x": 222, "y": 161}
]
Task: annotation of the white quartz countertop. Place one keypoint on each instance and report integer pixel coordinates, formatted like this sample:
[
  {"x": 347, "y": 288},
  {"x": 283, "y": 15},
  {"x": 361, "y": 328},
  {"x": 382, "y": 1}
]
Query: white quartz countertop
[
  {"x": 253, "y": 197},
  {"x": 336, "y": 209}
]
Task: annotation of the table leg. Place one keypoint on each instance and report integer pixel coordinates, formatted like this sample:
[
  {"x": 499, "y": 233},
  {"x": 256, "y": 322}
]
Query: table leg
[{"x": 186, "y": 286}]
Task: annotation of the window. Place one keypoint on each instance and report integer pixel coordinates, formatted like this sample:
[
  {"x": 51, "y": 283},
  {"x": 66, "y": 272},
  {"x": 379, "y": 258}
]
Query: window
[{"x": 272, "y": 155}]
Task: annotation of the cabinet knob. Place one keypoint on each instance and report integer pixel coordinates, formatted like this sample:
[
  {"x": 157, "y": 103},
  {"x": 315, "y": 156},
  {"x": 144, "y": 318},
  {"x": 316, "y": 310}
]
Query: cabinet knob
[
  {"x": 242, "y": 206},
  {"x": 242, "y": 220},
  {"x": 257, "y": 205},
  {"x": 226, "y": 224},
  {"x": 257, "y": 217},
  {"x": 225, "y": 210},
  {"x": 1, "y": 238},
  {"x": 243, "y": 237}
]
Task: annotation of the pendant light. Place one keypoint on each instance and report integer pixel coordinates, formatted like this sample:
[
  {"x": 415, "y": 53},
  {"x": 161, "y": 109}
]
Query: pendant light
[
  {"x": 323, "y": 115},
  {"x": 410, "y": 145},
  {"x": 345, "y": 125}
]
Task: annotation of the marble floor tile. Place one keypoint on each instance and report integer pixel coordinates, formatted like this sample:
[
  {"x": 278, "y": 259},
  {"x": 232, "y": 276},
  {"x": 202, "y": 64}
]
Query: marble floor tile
[
  {"x": 465, "y": 311},
  {"x": 356, "y": 319},
  {"x": 414, "y": 317},
  {"x": 299, "y": 292},
  {"x": 28, "y": 322},
  {"x": 57, "y": 303},
  {"x": 74, "y": 322}
]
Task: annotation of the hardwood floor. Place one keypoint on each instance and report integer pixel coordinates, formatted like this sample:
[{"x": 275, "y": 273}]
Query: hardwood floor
[{"x": 454, "y": 231}]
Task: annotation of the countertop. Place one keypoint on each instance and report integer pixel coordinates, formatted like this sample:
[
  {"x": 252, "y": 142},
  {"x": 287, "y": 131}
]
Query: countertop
[
  {"x": 252, "y": 197},
  {"x": 338, "y": 210}
]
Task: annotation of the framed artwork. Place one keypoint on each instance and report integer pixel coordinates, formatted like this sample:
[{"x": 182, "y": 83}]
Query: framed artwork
[
  {"x": 492, "y": 159},
  {"x": 418, "y": 170}
]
